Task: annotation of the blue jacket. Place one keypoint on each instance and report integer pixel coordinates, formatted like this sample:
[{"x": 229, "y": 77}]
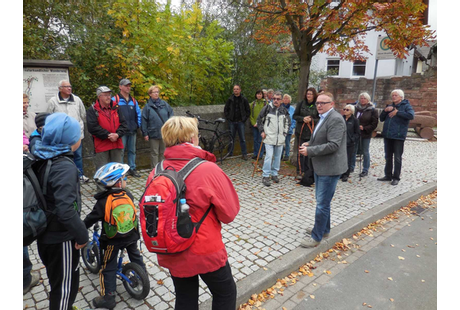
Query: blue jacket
[
  {"x": 291, "y": 110},
  {"x": 130, "y": 111},
  {"x": 151, "y": 121},
  {"x": 396, "y": 127}
]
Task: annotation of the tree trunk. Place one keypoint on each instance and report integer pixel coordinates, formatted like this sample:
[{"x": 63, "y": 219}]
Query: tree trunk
[{"x": 305, "y": 63}]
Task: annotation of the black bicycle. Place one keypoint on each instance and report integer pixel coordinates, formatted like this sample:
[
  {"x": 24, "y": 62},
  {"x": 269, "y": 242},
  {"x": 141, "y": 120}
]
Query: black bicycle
[{"x": 213, "y": 140}]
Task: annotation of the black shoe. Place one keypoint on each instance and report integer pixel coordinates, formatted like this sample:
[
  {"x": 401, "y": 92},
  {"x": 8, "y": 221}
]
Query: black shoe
[
  {"x": 286, "y": 158},
  {"x": 245, "y": 157},
  {"x": 254, "y": 156},
  {"x": 385, "y": 178},
  {"x": 107, "y": 301},
  {"x": 266, "y": 181},
  {"x": 344, "y": 178},
  {"x": 394, "y": 182},
  {"x": 275, "y": 178},
  {"x": 134, "y": 173},
  {"x": 363, "y": 174}
]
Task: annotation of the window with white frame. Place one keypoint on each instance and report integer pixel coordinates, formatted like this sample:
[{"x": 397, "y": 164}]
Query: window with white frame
[
  {"x": 333, "y": 66},
  {"x": 359, "y": 68}
]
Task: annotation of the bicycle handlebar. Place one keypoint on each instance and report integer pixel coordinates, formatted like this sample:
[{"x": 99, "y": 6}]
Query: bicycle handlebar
[{"x": 219, "y": 120}]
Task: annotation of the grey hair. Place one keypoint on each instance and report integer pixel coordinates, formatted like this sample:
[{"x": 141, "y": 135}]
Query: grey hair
[
  {"x": 278, "y": 93},
  {"x": 399, "y": 92},
  {"x": 62, "y": 81},
  {"x": 365, "y": 95},
  {"x": 286, "y": 95},
  {"x": 351, "y": 107}
]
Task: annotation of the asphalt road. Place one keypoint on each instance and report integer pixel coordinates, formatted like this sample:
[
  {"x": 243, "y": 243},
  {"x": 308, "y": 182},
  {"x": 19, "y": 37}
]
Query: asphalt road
[{"x": 401, "y": 273}]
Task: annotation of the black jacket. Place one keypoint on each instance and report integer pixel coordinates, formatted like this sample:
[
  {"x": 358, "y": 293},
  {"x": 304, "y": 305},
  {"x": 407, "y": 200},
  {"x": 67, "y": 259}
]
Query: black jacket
[
  {"x": 230, "y": 109},
  {"x": 353, "y": 132},
  {"x": 63, "y": 197},
  {"x": 368, "y": 118},
  {"x": 303, "y": 109},
  {"x": 98, "y": 212}
]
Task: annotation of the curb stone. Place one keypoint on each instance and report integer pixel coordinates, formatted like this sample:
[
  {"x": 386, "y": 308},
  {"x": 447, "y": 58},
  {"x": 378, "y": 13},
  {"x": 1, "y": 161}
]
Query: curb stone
[{"x": 291, "y": 261}]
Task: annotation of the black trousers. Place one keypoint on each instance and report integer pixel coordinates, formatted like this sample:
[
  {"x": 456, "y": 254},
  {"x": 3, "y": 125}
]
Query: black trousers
[
  {"x": 109, "y": 264},
  {"x": 350, "y": 153},
  {"x": 393, "y": 152},
  {"x": 62, "y": 267},
  {"x": 219, "y": 282}
]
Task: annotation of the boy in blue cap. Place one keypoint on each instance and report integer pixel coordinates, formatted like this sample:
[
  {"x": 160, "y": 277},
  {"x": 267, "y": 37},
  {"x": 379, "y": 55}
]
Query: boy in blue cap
[{"x": 66, "y": 233}]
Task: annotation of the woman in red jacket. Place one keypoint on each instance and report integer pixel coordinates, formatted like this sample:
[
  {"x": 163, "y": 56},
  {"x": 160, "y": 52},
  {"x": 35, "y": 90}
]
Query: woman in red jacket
[{"x": 206, "y": 185}]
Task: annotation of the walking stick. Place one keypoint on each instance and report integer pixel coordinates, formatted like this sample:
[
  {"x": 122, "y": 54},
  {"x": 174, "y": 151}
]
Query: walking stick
[
  {"x": 360, "y": 157},
  {"x": 257, "y": 161},
  {"x": 311, "y": 127}
]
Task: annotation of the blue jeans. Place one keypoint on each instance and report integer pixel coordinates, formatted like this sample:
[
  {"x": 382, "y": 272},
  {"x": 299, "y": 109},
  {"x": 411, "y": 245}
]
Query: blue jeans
[
  {"x": 325, "y": 189},
  {"x": 272, "y": 153},
  {"x": 78, "y": 158},
  {"x": 129, "y": 143},
  {"x": 239, "y": 127},
  {"x": 257, "y": 142},
  {"x": 365, "y": 143},
  {"x": 287, "y": 145}
]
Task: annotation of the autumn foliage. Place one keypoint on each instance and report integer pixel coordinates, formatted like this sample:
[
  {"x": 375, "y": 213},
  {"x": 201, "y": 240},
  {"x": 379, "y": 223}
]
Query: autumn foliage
[{"x": 338, "y": 28}]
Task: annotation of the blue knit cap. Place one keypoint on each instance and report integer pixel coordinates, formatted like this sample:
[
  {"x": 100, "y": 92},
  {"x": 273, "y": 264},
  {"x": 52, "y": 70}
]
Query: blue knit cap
[{"x": 60, "y": 129}]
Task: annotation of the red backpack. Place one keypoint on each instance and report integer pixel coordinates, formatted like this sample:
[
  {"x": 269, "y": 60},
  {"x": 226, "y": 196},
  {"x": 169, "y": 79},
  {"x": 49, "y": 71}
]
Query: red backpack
[{"x": 165, "y": 229}]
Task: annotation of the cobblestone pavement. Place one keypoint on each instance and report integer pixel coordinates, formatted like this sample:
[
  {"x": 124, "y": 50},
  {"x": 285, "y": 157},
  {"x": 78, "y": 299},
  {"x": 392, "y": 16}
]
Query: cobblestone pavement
[{"x": 271, "y": 221}]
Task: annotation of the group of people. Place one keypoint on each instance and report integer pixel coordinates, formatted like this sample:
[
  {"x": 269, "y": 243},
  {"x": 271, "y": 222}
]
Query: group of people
[{"x": 328, "y": 142}]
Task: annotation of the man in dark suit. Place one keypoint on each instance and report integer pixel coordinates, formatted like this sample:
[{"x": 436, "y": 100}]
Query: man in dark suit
[{"x": 328, "y": 152}]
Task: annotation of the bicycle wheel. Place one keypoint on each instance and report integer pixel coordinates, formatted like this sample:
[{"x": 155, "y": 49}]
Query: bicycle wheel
[
  {"x": 224, "y": 145},
  {"x": 91, "y": 257},
  {"x": 140, "y": 286}
]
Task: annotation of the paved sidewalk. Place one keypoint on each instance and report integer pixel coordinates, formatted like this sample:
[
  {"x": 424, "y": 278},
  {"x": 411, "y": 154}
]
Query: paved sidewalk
[{"x": 263, "y": 241}]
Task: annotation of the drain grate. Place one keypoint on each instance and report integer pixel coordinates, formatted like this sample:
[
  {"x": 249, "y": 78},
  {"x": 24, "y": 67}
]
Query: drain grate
[{"x": 418, "y": 209}]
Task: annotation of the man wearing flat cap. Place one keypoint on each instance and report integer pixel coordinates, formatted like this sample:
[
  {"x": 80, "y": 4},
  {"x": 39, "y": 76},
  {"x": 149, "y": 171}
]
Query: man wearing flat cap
[
  {"x": 129, "y": 107},
  {"x": 107, "y": 125}
]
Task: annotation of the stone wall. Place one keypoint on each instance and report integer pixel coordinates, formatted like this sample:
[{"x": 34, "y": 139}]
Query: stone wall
[
  {"x": 420, "y": 90},
  {"x": 143, "y": 149}
]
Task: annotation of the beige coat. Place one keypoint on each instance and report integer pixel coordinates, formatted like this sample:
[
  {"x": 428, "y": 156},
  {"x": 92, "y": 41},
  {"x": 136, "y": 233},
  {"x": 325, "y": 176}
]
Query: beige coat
[
  {"x": 73, "y": 108},
  {"x": 28, "y": 123}
]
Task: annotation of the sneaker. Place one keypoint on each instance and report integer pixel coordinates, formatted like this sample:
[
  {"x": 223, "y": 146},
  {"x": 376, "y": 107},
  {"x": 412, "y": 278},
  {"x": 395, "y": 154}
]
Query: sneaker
[
  {"x": 266, "y": 181},
  {"x": 34, "y": 281},
  {"x": 254, "y": 156},
  {"x": 83, "y": 178},
  {"x": 275, "y": 178},
  {"x": 134, "y": 173},
  {"x": 309, "y": 230},
  {"x": 245, "y": 157},
  {"x": 309, "y": 243},
  {"x": 363, "y": 174},
  {"x": 298, "y": 177},
  {"x": 107, "y": 301},
  {"x": 286, "y": 158}
]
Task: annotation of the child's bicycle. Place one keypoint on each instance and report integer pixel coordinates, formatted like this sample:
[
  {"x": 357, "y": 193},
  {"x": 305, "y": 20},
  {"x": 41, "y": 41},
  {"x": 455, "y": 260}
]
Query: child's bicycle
[{"x": 135, "y": 279}]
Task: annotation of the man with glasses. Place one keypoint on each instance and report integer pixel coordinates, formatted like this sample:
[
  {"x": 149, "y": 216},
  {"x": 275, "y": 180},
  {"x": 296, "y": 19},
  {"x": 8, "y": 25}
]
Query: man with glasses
[
  {"x": 70, "y": 104},
  {"x": 129, "y": 107},
  {"x": 107, "y": 125},
  {"x": 273, "y": 123},
  {"x": 328, "y": 152}
]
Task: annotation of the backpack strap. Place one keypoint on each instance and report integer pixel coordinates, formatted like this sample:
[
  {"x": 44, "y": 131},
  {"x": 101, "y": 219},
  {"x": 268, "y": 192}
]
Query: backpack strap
[
  {"x": 36, "y": 185},
  {"x": 189, "y": 167},
  {"x": 197, "y": 225}
]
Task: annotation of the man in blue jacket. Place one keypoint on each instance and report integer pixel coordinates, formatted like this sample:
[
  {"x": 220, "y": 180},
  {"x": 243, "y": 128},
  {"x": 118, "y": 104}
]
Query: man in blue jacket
[
  {"x": 129, "y": 107},
  {"x": 396, "y": 117}
]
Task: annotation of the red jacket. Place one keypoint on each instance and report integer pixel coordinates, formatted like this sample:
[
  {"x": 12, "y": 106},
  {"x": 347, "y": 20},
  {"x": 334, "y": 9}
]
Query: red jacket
[
  {"x": 205, "y": 185},
  {"x": 100, "y": 126}
]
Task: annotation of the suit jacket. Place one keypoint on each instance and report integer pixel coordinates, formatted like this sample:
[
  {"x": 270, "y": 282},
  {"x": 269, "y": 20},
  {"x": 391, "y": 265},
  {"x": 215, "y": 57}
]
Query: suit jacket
[{"x": 328, "y": 147}]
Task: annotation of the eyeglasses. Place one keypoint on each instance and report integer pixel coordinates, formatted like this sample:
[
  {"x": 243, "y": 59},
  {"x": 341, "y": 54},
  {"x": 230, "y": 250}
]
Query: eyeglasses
[
  {"x": 277, "y": 99},
  {"x": 322, "y": 103},
  {"x": 346, "y": 110},
  {"x": 66, "y": 86}
]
